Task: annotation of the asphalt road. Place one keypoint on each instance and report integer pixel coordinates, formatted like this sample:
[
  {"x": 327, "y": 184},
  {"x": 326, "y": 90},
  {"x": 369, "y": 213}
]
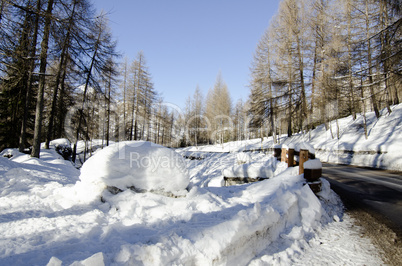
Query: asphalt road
[{"x": 376, "y": 191}]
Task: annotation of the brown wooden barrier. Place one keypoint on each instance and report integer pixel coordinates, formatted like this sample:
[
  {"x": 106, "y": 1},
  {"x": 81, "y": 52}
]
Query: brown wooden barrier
[
  {"x": 312, "y": 176},
  {"x": 303, "y": 157}
]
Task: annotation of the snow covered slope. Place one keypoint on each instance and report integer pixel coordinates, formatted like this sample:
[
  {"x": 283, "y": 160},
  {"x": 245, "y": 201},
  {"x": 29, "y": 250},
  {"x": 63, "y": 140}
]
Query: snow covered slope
[
  {"x": 46, "y": 217},
  {"x": 382, "y": 148}
]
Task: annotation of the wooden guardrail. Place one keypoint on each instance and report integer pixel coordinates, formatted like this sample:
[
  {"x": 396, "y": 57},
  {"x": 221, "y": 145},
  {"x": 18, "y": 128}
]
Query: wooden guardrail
[{"x": 293, "y": 158}]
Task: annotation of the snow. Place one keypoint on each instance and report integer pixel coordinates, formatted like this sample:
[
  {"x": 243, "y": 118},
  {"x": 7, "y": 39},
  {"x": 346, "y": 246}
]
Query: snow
[
  {"x": 53, "y": 214},
  {"x": 56, "y": 142},
  {"x": 381, "y": 149},
  {"x": 139, "y": 164},
  {"x": 247, "y": 168},
  {"x": 48, "y": 215},
  {"x": 305, "y": 146},
  {"x": 312, "y": 164},
  {"x": 243, "y": 158}
]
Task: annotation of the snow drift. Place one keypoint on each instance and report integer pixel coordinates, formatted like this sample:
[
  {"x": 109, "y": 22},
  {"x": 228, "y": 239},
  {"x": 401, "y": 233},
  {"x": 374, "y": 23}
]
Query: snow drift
[
  {"x": 259, "y": 169},
  {"x": 139, "y": 165}
]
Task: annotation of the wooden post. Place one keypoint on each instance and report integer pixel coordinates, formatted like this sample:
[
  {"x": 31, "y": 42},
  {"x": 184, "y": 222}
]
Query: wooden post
[
  {"x": 283, "y": 154},
  {"x": 303, "y": 157},
  {"x": 291, "y": 156},
  {"x": 312, "y": 175}
]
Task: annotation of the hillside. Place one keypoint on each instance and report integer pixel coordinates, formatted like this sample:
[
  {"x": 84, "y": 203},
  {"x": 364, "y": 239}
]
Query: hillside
[{"x": 382, "y": 148}]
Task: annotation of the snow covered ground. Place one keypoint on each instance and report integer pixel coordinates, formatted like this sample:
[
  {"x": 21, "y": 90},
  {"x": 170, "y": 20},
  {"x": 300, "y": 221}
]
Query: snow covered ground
[
  {"x": 382, "y": 148},
  {"x": 49, "y": 215}
]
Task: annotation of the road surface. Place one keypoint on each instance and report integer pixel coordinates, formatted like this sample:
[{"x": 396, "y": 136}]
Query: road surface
[{"x": 378, "y": 191}]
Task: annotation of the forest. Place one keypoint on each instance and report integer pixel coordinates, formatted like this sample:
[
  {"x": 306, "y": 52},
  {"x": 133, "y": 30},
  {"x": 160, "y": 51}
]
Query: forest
[{"x": 319, "y": 60}]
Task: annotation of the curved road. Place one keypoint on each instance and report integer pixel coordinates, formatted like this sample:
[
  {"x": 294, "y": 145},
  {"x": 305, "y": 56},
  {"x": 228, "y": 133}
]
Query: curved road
[{"x": 378, "y": 191}]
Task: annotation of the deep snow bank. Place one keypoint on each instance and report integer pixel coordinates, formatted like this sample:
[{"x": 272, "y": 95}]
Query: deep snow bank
[
  {"x": 135, "y": 164},
  {"x": 254, "y": 217}
]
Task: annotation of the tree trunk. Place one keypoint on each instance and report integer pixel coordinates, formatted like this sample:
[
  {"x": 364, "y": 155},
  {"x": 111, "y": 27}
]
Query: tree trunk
[
  {"x": 108, "y": 112},
  {"x": 370, "y": 63},
  {"x": 63, "y": 61},
  {"x": 364, "y": 110},
  {"x": 290, "y": 95},
  {"x": 42, "y": 81},
  {"x": 61, "y": 102},
  {"x": 385, "y": 51},
  {"x": 81, "y": 111},
  {"x": 313, "y": 80},
  {"x": 28, "y": 95},
  {"x": 302, "y": 86},
  {"x": 124, "y": 98},
  {"x": 352, "y": 102}
]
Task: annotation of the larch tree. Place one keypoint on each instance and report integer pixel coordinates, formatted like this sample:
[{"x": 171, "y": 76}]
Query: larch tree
[
  {"x": 102, "y": 49},
  {"x": 61, "y": 68},
  {"x": 18, "y": 31},
  {"x": 239, "y": 121},
  {"x": 29, "y": 82},
  {"x": 350, "y": 65},
  {"x": 218, "y": 109},
  {"x": 195, "y": 121},
  {"x": 42, "y": 80},
  {"x": 142, "y": 97}
]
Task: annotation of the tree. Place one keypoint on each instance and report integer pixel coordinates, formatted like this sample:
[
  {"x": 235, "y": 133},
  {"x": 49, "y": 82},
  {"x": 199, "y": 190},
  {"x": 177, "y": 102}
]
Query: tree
[
  {"x": 70, "y": 54},
  {"x": 29, "y": 85},
  {"x": 195, "y": 120},
  {"x": 18, "y": 31},
  {"x": 198, "y": 111},
  {"x": 217, "y": 110},
  {"x": 65, "y": 46},
  {"x": 239, "y": 120},
  {"x": 42, "y": 80},
  {"x": 103, "y": 48},
  {"x": 142, "y": 97},
  {"x": 110, "y": 73},
  {"x": 124, "y": 92}
]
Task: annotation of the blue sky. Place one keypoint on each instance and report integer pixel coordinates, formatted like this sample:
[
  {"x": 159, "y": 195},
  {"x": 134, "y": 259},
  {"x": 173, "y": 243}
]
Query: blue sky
[{"x": 187, "y": 42}]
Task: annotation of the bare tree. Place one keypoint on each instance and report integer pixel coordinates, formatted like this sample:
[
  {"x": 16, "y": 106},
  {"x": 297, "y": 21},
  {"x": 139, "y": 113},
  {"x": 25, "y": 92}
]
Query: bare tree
[
  {"x": 42, "y": 80},
  {"x": 218, "y": 109},
  {"x": 65, "y": 46},
  {"x": 29, "y": 85},
  {"x": 102, "y": 49}
]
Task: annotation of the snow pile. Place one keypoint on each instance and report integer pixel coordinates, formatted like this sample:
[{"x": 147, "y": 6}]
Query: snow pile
[
  {"x": 243, "y": 158},
  {"x": 138, "y": 165},
  {"x": 9, "y": 153},
  {"x": 312, "y": 164},
  {"x": 58, "y": 142},
  {"x": 258, "y": 169},
  {"x": 234, "y": 234}
]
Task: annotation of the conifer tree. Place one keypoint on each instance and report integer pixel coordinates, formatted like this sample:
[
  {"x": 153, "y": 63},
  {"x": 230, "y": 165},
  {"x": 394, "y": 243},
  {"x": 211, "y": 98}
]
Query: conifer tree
[
  {"x": 42, "y": 80},
  {"x": 218, "y": 110}
]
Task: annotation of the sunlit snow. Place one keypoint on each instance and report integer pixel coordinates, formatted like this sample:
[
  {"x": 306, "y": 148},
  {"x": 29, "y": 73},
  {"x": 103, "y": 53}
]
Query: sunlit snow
[{"x": 50, "y": 212}]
